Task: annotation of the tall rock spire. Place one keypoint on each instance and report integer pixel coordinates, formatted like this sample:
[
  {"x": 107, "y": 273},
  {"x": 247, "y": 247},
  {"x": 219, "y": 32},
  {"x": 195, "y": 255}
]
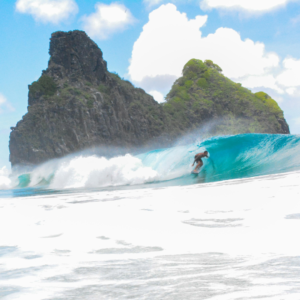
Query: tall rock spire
[{"x": 76, "y": 56}]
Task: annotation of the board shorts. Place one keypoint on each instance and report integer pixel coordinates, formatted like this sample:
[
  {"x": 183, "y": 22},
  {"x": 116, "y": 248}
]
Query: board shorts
[{"x": 198, "y": 160}]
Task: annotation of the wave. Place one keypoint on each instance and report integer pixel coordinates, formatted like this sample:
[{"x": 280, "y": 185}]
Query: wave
[
  {"x": 250, "y": 155},
  {"x": 230, "y": 157}
]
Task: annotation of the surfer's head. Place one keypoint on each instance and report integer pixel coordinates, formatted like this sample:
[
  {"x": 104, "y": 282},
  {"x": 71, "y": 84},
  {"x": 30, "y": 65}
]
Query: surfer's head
[{"x": 205, "y": 152}]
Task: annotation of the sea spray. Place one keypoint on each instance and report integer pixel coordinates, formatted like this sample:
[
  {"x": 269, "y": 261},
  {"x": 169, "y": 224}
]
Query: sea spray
[
  {"x": 100, "y": 172},
  {"x": 5, "y": 181}
]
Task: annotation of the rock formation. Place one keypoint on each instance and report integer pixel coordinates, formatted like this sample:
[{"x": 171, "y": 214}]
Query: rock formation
[
  {"x": 204, "y": 94},
  {"x": 78, "y": 104}
]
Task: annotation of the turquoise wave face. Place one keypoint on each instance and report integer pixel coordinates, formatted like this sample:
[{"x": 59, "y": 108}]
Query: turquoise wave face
[
  {"x": 230, "y": 157},
  {"x": 252, "y": 155},
  {"x": 24, "y": 180}
]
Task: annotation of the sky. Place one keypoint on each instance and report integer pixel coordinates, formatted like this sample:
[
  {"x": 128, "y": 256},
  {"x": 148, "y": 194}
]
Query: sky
[{"x": 255, "y": 42}]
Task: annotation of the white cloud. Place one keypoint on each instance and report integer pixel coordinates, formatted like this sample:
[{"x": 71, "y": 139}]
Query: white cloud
[
  {"x": 48, "y": 11},
  {"x": 266, "y": 81},
  {"x": 107, "y": 20},
  {"x": 159, "y": 97},
  {"x": 5, "y": 105},
  {"x": 163, "y": 48},
  {"x": 290, "y": 77},
  {"x": 237, "y": 57},
  {"x": 291, "y": 91},
  {"x": 250, "y": 6}
]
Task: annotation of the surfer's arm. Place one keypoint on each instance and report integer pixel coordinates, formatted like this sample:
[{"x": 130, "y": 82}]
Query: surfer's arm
[
  {"x": 194, "y": 161},
  {"x": 196, "y": 156}
]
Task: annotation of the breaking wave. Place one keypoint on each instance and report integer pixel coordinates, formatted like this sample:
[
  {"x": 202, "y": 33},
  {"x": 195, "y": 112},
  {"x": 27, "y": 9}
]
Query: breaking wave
[{"x": 230, "y": 157}]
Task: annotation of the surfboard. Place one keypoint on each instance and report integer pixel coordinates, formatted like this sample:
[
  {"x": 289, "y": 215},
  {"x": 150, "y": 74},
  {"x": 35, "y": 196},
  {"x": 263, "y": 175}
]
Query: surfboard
[{"x": 195, "y": 172}]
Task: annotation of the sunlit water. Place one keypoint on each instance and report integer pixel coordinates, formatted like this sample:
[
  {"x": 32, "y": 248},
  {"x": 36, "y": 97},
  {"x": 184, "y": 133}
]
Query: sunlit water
[{"x": 144, "y": 228}]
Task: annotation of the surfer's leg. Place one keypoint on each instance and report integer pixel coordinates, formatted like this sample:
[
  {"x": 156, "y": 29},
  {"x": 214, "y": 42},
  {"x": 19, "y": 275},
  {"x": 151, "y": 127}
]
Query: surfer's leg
[{"x": 200, "y": 164}]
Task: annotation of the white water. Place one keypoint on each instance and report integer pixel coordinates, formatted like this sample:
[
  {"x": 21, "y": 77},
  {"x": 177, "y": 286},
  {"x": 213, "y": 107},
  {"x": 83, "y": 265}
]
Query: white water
[
  {"x": 94, "y": 172},
  {"x": 5, "y": 181},
  {"x": 100, "y": 172},
  {"x": 80, "y": 171},
  {"x": 229, "y": 240}
]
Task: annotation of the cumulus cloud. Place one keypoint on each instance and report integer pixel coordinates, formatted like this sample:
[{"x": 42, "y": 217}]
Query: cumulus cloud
[
  {"x": 265, "y": 81},
  {"x": 107, "y": 20},
  {"x": 158, "y": 82},
  {"x": 5, "y": 105},
  {"x": 48, "y": 11},
  {"x": 290, "y": 75},
  {"x": 237, "y": 57},
  {"x": 159, "y": 97},
  {"x": 250, "y": 6},
  {"x": 163, "y": 48}
]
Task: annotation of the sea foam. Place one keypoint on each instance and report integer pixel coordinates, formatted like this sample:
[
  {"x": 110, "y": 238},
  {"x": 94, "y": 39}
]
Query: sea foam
[{"x": 5, "y": 181}]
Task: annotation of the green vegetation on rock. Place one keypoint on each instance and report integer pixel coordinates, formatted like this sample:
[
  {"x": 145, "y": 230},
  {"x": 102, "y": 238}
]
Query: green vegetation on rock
[
  {"x": 203, "y": 94},
  {"x": 44, "y": 86},
  {"x": 271, "y": 103}
]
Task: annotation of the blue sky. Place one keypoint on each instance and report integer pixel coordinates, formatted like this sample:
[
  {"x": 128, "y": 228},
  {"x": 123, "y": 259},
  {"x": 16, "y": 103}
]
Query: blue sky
[{"x": 255, "y": 42}]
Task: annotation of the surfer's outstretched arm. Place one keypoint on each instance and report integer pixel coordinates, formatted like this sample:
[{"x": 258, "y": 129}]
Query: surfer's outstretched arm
[{"x": 196, "y": 156}]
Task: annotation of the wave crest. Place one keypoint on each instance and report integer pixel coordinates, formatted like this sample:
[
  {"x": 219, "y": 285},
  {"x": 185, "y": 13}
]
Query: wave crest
[{"x": 101, "y": 172}]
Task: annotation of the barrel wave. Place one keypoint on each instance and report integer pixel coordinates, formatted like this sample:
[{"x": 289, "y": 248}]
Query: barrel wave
[{"x": 230, "y": 157}]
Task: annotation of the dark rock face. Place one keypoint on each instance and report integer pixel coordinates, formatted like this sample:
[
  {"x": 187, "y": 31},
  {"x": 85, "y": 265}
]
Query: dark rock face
[
  {"x": 90, "y": 106},
  {"x": 76, "y": 56},
  {"x": 77, "y": 104}
]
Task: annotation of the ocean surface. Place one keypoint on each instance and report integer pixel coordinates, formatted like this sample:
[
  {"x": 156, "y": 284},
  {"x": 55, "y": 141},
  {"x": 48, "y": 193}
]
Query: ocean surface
[{"x": 143, "y": 227}]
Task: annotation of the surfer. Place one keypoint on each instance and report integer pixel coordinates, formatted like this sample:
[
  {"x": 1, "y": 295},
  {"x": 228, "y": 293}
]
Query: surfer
[{"x": 198, "y": 160}]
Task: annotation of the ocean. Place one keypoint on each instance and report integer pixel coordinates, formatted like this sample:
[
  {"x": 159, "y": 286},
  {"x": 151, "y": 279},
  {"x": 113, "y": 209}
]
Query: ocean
[{"x": 143, "y": 227}]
